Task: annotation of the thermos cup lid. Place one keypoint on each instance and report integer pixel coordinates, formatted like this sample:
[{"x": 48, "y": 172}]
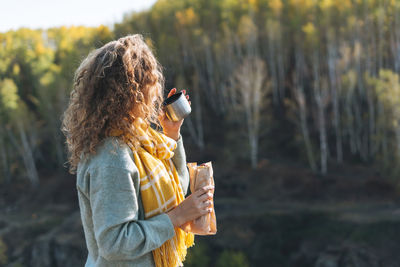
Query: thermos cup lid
[{"x": 172, "y": 98}]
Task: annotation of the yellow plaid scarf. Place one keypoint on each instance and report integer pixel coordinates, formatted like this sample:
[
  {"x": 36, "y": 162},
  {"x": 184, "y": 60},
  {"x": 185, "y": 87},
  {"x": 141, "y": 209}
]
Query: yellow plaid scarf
[{"x": 159, "y": 187}]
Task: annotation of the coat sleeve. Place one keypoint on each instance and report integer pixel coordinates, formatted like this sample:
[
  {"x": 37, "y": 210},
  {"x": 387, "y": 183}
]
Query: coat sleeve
[
  {"x": 179, "y": 160},
  {"x": 114, "y": 203}
]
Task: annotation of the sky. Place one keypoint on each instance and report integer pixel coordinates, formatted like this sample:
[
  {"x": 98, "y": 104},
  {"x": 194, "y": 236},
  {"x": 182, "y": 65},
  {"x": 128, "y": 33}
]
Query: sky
[{"x": 53, "y": 13}]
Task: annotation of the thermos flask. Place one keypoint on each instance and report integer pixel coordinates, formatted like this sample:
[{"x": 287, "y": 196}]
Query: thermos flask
[{"x": 177, "y": 107}]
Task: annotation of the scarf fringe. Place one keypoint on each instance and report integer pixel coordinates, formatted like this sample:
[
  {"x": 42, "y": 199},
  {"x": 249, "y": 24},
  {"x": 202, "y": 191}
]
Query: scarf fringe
[{"x": 169, "y": 255}]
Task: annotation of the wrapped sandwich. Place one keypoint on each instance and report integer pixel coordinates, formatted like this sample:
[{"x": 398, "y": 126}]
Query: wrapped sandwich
[{"x": 200, "y": 176}]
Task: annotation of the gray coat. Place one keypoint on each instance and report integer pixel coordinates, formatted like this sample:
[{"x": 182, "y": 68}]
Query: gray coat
[{"x": 111, "y": 209}]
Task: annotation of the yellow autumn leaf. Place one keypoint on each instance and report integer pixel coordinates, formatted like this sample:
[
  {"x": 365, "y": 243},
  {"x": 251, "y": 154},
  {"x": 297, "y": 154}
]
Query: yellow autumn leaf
[
  {"x": 309, "y": 29},
  {"x": 276, "y": 6}
]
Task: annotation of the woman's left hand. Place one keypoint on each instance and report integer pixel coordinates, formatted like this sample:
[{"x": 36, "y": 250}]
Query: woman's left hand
[{"x": 171, "y": 128}]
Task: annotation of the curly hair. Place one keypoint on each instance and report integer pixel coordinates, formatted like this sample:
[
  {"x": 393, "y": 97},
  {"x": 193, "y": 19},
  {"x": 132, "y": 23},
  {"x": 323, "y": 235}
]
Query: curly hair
[{"x": 114, "y": 85}]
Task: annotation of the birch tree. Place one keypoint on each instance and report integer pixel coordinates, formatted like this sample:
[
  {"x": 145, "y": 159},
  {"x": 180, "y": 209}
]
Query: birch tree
[
  {"x": 300, "y": 97},
  {"x": 251, "y": 85}
]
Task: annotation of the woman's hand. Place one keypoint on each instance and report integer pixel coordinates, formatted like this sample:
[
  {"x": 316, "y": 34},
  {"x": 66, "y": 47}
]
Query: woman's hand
[
  {"x": 197, "y": 204},
  {"x": 171, "y": 128}
]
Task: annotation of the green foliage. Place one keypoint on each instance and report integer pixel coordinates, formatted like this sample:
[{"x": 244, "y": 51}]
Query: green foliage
[
  {"x": 36, "y": 72},
  {"x": 229, "y": 258},
  {"x": 9, "y": 95},
  {"x": 3, "y": 253},
  {"x": 387, "y": 88},
  {"x": 198, "y": 255}
]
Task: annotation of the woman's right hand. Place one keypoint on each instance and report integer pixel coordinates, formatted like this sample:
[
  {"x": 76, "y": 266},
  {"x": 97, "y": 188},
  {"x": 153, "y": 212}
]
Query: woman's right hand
[{"x": 197, "y": 204}]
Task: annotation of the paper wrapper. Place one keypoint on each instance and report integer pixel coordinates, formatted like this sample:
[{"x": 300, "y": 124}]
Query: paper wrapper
[{"x": 200, "y": 176}]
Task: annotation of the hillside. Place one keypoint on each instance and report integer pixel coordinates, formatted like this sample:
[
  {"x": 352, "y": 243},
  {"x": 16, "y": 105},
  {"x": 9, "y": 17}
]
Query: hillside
[{"x": 279, "y": 213}]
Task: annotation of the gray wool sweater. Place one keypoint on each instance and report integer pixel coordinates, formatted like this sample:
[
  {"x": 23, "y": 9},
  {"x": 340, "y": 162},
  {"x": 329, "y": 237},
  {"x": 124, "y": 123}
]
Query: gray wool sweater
[{"x": 111, "y": 209}]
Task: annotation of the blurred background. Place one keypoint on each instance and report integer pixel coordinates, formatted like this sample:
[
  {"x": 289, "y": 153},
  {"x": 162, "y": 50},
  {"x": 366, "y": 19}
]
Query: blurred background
[{"x": 295, "y": 102}]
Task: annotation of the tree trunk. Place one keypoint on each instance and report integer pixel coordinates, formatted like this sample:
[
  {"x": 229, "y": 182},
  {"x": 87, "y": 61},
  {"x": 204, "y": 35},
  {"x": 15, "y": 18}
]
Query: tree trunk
[
  {"x": 27, "y": 154},
  {"x": 334, "y": 86},
  {"x": 3, "y": 156},
  {"x": 320, "y": 94}
]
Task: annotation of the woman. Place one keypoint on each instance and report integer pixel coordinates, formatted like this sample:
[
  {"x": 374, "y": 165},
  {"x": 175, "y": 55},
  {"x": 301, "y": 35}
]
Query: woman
[{"x": 131, "y": 178}]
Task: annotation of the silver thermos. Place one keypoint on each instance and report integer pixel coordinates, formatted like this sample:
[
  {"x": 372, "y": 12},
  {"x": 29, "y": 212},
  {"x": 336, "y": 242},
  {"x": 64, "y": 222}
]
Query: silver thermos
[{"x": 177, "y": 107}]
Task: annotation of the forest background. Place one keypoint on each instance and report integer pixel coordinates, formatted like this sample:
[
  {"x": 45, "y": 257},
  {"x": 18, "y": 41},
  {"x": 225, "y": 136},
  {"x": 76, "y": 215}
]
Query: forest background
[{"x": 296, "y": 103}]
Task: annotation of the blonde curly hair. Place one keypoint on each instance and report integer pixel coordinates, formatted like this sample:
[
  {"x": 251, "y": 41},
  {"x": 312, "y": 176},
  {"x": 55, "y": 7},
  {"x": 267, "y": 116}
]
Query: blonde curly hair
[{"x": 113, "y": 86}]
